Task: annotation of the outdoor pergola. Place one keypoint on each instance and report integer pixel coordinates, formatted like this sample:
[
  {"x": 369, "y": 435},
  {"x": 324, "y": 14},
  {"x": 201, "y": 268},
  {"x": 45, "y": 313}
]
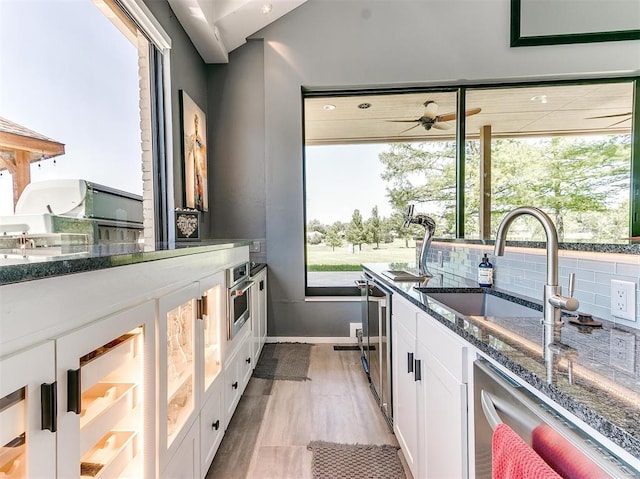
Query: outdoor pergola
[{"x": 19, "y": 147}]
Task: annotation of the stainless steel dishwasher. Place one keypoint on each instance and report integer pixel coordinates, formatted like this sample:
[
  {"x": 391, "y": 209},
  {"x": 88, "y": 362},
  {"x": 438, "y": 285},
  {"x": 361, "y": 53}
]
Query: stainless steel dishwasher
[
  {"x": 498, "y": 398},
  {"x": 375, "y": 341}
]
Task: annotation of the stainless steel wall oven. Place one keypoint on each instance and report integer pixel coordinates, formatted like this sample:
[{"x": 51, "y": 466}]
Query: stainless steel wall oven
[{"x": 238, "y": 298}]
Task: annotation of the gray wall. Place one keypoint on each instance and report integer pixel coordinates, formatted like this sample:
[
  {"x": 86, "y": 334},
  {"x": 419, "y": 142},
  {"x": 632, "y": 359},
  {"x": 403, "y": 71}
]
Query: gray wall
[
  {"x": 236, "y": 144},
  {"x": 358, "y": 43},
  {"x": 188, "y": 73}
]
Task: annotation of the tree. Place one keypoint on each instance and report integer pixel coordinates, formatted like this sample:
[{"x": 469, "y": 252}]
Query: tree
[
  {"x": 423, "y": 173},
  {"x": 374, "y": 228},
  {"x": 315, "y": 225},
  {"x": 332, "y": 238},
  {"x": 356, "y": 233},
  {"x": 571, "y": 179}
]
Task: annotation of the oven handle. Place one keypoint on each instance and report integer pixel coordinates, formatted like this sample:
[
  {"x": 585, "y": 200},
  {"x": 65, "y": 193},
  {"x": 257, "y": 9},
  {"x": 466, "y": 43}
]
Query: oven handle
[{"x": 241, "y": 290}]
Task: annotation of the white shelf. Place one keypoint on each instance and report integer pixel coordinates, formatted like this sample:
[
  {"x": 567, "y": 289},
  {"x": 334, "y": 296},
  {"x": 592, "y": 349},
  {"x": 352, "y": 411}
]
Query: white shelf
[
  {"x": 110, "y": 456},
  {"x": 107, "y": 405},
  {"x": 107, "y": 360},
  {"x": 13, "y": 421},
  {"x": 12, "y": 462}
]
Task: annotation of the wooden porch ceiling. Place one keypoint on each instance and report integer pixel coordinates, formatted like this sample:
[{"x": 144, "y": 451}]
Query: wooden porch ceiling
[{"x": 511, "y": 112}]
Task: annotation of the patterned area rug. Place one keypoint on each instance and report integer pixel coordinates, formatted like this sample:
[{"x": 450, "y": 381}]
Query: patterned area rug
[
  {"x": 286, "y": 361},
  {"x": 345, "y": 461}
]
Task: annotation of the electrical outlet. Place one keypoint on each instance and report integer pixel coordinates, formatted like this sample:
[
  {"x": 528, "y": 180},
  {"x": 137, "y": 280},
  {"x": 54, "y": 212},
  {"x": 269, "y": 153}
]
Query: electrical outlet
[
  {"x": 623, "y": 299},
  {"x": 353, "y": 327},
  {"x": 254, "y": 247},
  {"x": 622, "y": 352}
]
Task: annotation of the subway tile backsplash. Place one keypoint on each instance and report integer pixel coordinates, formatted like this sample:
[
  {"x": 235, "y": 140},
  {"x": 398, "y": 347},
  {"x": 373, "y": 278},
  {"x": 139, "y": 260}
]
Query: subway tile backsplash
[{"x": 523, "y": 271}]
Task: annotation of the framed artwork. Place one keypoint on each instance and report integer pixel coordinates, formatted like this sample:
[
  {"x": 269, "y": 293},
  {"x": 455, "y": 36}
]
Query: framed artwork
[
  {"x": 552, "y": 22},
  {"x": 194, "y": 152},
  {"x": 187, "y": 225}
]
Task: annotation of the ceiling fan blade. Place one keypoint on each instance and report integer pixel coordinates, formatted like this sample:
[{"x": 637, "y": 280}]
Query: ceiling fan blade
[
  {"x": 607, "y": 116},
  {"x": 404, "y": 131},
  {"x": 442, "y": 126},
  {"x": 431, "y": 108},
  {"x": 447, "y": 117},
  {"x": 403, "y": 121},
  {"x": 473, "y": 111}
]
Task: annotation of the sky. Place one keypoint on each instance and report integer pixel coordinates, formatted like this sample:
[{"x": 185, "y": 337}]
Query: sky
[
  {"x": 340, "y": 178},
  {"x": 68, "y": 73}
]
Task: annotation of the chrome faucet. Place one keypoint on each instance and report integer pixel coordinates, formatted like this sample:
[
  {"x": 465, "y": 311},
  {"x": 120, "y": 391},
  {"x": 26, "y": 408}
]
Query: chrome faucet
[
  {"x": 553, "y": 301},
  {"x": 429, "y": 228}
]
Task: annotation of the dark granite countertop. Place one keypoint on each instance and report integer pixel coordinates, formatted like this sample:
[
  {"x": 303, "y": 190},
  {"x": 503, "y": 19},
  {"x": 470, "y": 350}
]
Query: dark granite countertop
[
  {"x": 256, "y": 268},
  {"x": 90, "y": 258},
  {"x": 605, "y": 390}
]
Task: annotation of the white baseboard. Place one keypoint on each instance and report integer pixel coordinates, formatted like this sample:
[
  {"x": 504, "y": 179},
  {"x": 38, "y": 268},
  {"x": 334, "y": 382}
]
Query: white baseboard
[{"x": 311, "y": 340}]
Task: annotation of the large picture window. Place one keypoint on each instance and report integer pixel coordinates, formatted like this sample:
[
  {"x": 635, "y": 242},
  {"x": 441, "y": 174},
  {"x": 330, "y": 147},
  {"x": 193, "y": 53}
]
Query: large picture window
[
  {"x": 563, "y": 147},
  {"x": 78, "y": 102}
]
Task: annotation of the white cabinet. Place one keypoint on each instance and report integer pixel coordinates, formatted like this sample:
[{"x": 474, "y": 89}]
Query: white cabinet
[
  {"x": 405, "y": 386},
  {"x": 210, "y": 330},
  {"x": 177, "y": 389},
  {"x": 106, "y": 396},
  {"x": 443, "y": 400},
  {"x": 212, "y": 424},
  {"x": 430, "y": 395},
  {"x": 27, "y": 413},
  {"x": 185, "y": 463},
  {"x": 259, "y": 313},
  {"x": 237, "y": 371}
]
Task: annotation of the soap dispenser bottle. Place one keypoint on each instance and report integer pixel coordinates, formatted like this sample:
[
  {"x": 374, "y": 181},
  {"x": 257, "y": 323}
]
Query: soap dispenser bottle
[{"x": 485, "y": 272}]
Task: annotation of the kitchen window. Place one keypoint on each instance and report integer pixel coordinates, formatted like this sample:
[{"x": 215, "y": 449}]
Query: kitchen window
[
  {"x": 565, "y": 147},
  {"x": 82, "y": 97}
]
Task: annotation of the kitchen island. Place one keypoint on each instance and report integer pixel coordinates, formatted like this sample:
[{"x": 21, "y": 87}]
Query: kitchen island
[{"x": 597, "y": 388}]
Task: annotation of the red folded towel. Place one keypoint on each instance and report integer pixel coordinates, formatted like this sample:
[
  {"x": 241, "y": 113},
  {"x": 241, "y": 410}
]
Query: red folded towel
[
  {"x": 562, "y": 456},
  {"x": 512, "y": 458}
]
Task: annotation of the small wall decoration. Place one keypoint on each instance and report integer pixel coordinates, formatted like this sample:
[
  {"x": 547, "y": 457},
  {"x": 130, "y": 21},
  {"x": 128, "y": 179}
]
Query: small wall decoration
[
  {"x": 187, "y": 225},
  {"x": 194, "y": 151}
]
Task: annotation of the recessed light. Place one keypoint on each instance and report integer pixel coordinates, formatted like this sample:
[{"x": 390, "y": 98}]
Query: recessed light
[
  {"x": 266, "y": 8},
  {"x": 540, "y": 98},
  {"x": 329, "y": 107},
  {"x": 364, "y": 106}
]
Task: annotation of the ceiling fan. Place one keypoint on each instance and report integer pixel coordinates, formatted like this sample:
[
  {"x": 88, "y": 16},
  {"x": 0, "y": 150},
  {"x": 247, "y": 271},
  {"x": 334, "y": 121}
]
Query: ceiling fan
[
  {"x": 612, "y": 116},
  {"x": 430, "y": 118}
]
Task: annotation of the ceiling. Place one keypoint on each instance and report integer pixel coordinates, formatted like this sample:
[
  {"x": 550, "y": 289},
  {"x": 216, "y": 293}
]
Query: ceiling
[
  {"x": 512, "y": 112},
  {"x": 217, "y": 27}
]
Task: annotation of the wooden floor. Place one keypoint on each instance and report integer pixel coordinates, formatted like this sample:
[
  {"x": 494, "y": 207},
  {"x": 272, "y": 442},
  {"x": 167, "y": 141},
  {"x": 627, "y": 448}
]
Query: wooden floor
[{"x": 275, "y": 420}]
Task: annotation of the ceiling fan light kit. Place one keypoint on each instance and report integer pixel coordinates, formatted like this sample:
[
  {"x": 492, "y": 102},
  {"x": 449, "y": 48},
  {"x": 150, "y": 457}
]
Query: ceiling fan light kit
[{"x": 430, "y": 118}]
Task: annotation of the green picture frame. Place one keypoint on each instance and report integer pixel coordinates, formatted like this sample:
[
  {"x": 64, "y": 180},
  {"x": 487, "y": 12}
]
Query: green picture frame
[{"x": 519, "y": 39}]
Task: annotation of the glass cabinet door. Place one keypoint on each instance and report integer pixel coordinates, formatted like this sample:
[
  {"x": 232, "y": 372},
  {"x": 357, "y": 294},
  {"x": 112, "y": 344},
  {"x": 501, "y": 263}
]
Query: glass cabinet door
[
  {"x": 176, "y": 368},
  {"x": 104, "y": 410},
  {"x": 180, "y": 367},
  {"x": 212, "y": 313},
  {"x": 27, "y": 413}
]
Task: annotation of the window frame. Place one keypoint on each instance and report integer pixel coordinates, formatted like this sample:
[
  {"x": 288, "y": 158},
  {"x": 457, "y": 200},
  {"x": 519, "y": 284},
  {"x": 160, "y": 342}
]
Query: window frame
[{"x": 461, "y": 89}]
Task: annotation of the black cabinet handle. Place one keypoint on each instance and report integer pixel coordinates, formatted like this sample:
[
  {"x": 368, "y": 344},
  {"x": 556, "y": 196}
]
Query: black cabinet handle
[
  {"x": 74, "y": 389},
  {"x": 216, "y": 425},
  {"x": 248, "y": 360},
  {"x": 409, "y": 362},
  {"x": 49, "y": 406},
  {"x": 417, "y": 375},
  {"x": 261, "y": 285},
  {"x": 235, "y": 385}
]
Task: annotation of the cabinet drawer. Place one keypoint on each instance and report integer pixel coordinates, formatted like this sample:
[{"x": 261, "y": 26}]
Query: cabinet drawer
[
  {"x": 443, "y": 345},
  {"x": 212, "y": 424}
]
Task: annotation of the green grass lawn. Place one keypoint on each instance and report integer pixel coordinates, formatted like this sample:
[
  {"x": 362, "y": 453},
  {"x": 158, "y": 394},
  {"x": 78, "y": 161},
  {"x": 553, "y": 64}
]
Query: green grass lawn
[{"x": 323, "y": 258}]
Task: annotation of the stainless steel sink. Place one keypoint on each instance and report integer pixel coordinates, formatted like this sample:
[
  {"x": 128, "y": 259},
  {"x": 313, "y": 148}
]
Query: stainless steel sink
[{"x": 481, "y": 304}]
